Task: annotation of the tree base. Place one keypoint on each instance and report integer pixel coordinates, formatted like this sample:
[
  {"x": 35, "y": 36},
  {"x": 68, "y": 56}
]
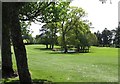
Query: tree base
[{"x": 8, "y": 72}]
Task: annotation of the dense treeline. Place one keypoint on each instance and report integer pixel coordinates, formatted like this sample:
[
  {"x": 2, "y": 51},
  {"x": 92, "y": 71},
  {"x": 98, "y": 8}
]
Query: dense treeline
[{"x": 108, "y": 38}]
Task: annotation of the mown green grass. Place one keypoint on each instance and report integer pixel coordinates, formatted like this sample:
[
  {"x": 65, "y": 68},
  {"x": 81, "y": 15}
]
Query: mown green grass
[{"x": 100, "y": 65}]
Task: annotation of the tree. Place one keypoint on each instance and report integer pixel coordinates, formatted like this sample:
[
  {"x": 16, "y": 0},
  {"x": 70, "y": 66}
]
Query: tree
[
  {"x": 99, "y": 38},
  {"x": 116, "y": 39},
  {"x": 92, "y": 39},
  {"x": 107, "y": 37},
  {"x": 53, "y": 16},
  {"x": 24, "y": 15},
  {"x": 7, "y": 69},
  {"x": 19, "y": 48},
  {"x": 81, "y": 37},
  {"x": 71, "y": 27},
  {"x": 48, "y": 35},
  {"x": 45, "y": 36}
]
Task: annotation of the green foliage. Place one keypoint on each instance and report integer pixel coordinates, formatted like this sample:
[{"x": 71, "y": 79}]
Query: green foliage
[
  {"x": 105, "y": 38},
  {"x": 116, "y": 39},
  {"x": 59, "y": 18},
  {"x": 73, "y": 30},
  {"x": 33, "y": 11},
  {"x": 26, "y": 32},
  {"x": 25, "y": 28},
  {"x": 92, "y": 39}
]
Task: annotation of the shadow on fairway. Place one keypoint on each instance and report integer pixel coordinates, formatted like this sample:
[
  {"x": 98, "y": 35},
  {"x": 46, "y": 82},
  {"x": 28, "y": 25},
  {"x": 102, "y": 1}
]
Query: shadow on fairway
[
  {"x": 59, "y": 51},
  {"x": 56, "y": 52},
  {"x": 42, "y": 48},
  {"x": 35, "y": 81},
  {"x": 43, "y": 81}
]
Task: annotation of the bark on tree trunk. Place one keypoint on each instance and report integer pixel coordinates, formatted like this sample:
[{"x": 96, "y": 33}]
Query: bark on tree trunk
[
  {"x": 52, "y": 46},
  {"x": 64, "y": 44},
  {"x": 19, "y": 47},
  {"x": 78, "y": 48},
  {"x": 46, "y": 46},
  {"x": 7, "y": 69}
]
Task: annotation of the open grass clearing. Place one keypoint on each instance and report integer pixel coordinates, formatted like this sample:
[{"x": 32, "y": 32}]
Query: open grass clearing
[{"x": 100, "y": 65}]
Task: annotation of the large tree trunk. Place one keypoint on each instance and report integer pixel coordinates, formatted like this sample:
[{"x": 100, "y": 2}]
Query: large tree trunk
[
  {"x": 19, "y": 47},
  {"x": 7, "y": 70}
]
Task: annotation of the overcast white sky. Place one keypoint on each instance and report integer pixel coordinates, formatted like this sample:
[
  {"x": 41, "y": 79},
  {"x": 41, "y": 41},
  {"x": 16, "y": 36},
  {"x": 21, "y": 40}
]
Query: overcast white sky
[{"x": 101, "y": 15}]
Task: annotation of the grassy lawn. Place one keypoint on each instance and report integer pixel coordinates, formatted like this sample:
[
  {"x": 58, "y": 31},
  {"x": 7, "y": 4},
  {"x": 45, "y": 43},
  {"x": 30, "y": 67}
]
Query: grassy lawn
[{"x": 100, "y": 65}]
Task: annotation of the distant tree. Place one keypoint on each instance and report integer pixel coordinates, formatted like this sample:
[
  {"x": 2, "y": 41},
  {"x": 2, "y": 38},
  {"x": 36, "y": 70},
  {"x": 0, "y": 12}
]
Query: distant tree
[
  {"x": 49, "y": 30},
  {"x": 107, "y": 37},
  {"x": 37, "y": 39},
  {"x": 81, "y": 37},
  {"x": 70, "y": 19},
  {"x": 99, "y": 38},
  {"x": 45, "y": 36},
  {"x": 73, "y": 30},
  {"x": 92, "y": 39},
  {"x": 116, "y": 39}
]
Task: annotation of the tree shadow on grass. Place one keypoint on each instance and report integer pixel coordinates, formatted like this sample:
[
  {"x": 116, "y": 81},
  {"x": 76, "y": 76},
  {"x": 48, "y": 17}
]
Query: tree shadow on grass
[
  {"x": 69, "y": 52},
  {"x": 56, "y": 52},
  {"x": 34, "y": 81},
  {"x": 42, "y": 48},
  {"x": 44, "y": 81},
  {"x": 59, "y": 51}
]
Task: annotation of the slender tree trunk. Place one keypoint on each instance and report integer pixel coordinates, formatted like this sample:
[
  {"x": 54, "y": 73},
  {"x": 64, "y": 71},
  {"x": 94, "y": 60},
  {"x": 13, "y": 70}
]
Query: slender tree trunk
[
  {"x": 50, "y": 46},
  {"x": 7, "y": 69},
  {"x": 46, "y": 46},
  {"x": 54, "y": 35},
  {"x": 78, "y": 48},
  {"x": 63, "y": 39},
  {"x": 64, "y": 44},
  {"x": 19, "y": 47}
]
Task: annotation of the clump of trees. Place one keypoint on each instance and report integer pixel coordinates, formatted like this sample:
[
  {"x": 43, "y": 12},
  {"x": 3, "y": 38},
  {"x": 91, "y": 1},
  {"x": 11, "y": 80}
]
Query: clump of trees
[
  {"x": 108, "y": 38},
  {"x": 67, "y": 28}
]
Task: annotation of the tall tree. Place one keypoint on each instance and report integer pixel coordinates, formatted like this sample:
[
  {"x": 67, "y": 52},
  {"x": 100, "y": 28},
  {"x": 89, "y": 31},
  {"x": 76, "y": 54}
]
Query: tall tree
[
  {"x": 19, "y": 48},
  {"x": 48, "y": 35},
  {"x": 116, "y": 39},
  {"x": 107, "y": 37},
  {"x": 7, "y": 69},
  {"x": 99, "y": 38},
  {"x": 63, "y": 17},
  {"x": 71, "y": 21}
]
